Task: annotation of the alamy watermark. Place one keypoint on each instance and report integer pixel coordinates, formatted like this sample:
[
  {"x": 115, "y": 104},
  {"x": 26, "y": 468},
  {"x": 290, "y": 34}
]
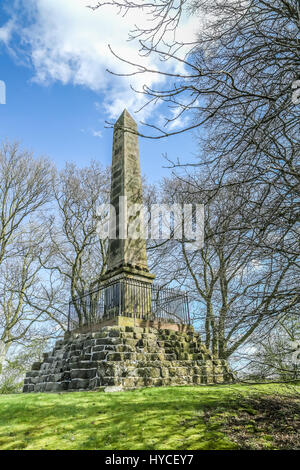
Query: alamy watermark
[
  {"x": 159, "y": 222},
  {"x": 2, "y": 92}
]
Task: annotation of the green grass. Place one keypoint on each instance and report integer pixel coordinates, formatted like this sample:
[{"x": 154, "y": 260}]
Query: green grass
[{"x": 178, "y": 418}]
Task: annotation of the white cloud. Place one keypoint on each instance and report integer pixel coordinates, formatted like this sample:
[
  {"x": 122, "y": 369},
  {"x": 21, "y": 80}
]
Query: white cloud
[
  {"x": 68, "y": 42},
  {"x": 93, "y": 132},
  {"x": 6, "y": 32},
  {"x": 97, "y": 133}
]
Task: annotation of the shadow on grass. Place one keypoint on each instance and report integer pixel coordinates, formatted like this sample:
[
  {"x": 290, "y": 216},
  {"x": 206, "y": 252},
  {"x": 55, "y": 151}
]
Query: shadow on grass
[{"x": 160, "y": 418}]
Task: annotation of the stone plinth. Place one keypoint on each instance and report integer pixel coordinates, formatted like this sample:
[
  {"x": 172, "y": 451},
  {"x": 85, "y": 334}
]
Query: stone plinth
[
  {"x": 128, "y": 357},
  {"x": 127, "y": 293}
]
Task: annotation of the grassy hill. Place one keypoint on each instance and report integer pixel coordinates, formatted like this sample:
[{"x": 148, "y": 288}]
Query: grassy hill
[{"x": 171, "y": 418}]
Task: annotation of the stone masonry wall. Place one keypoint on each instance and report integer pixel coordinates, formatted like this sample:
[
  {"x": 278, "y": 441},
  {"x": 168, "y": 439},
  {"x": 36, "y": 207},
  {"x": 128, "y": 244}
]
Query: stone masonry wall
[{"x": 128, "y": 357}]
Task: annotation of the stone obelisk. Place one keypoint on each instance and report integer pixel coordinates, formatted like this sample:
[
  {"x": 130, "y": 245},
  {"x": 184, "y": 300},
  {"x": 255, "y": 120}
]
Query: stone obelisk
[{"x": 127, "y": 256}]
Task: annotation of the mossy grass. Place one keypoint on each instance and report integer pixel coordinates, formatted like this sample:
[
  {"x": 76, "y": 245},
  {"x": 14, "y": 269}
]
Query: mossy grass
[{"x": 167, "y": 418}]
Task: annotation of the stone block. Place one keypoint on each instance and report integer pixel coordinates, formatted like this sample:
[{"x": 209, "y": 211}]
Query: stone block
[
  {"x": 113, "y": 389},
  {"x": 79, "y": 383},
  {"x": 51, "y": 387},
  {"x": 115, "y": 332},
  {"x": 115, "y": 356},
  {"x": 128, "y": 383},
  {"x": 111, "y": 381},
  {"x": 99, "y": 347},
  {"x": 155, "y": 372},
  {"x": 129, "y": 329},
  {"x": 32, "y": 373},
  {"x": 78, "y": 374}
]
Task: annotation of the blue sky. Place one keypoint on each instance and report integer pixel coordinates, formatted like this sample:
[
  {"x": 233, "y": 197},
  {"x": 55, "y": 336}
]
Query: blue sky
[{"x": 54, "y": 55}]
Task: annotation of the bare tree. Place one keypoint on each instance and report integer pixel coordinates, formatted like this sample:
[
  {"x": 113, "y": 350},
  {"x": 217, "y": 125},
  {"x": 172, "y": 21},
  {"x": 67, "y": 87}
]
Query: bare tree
[
  {"x": 25, "y": 189},
  {"x": 275, "y": 353},
  {"x": 246, "y": 55},
  {"x": 236, "y": 287},
  {"x": 77, "y": 254}
]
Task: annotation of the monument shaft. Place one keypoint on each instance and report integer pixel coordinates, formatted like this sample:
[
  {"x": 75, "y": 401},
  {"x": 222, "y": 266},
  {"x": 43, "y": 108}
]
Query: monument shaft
[{"x": 126, "y": 194}]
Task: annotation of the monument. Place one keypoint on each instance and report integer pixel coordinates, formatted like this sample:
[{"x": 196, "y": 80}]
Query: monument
[
  {"x": 129, "y": 333},
  {"x": 127, "y": 276}
]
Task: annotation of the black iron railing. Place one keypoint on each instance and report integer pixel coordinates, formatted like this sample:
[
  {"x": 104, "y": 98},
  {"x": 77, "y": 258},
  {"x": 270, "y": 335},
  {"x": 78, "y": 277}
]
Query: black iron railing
[{"x": 130, "y": 298}]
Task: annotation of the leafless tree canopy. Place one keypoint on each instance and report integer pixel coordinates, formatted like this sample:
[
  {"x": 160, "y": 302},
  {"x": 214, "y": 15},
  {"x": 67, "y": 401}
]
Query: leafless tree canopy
[
  {"x": 77, "y": 255},
  {"x": 238, "y": 289},
  {"x": 25, "y": 190},
  {"x": 246, "y": 55}
]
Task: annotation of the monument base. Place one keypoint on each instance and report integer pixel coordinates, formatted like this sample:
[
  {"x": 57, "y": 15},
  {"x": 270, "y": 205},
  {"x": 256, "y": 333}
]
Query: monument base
[
  {"x": 127, "y": 354},
  {"x": 130, "y": 322}
]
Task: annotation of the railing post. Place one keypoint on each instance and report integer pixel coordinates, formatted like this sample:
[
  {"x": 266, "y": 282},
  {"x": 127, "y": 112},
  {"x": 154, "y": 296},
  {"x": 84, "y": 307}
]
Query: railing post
[
  {"x": 120, "y": 296},
  {"x": 69, "y": 314},
  {"x": 188, "y": 309}
]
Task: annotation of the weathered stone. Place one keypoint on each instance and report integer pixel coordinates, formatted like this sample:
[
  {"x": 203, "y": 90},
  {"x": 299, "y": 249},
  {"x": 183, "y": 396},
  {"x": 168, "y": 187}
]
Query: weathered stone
[
  {"x": 115, "y": 332},
  {"x": 97, "y": 348},
  {"x": 79, "y": 383},
  {"x": 153, "y": 365},
  {"x": 114, "y": 388},
  {"x": 99, "y": 356}
]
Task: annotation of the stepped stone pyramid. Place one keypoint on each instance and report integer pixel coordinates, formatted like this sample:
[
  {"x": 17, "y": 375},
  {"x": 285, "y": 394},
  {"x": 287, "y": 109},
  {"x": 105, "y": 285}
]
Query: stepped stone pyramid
[
  {"x": 126, "y": 338},
  {"x": 126, "y": 357}
]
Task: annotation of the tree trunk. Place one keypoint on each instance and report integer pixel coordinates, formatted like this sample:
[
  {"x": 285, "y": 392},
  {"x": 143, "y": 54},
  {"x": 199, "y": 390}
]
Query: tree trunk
[{"x": 3, "y": 352}]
